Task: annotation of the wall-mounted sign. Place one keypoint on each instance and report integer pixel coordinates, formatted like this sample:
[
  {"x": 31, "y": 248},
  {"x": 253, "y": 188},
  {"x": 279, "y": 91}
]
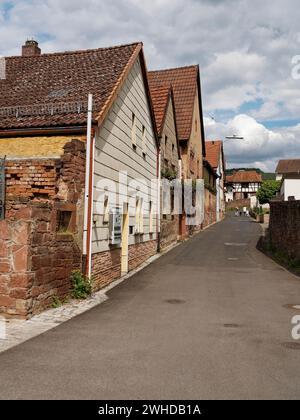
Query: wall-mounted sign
[
  {"x": 2, "y": 189},
  {"x": 115, "y": 226}
]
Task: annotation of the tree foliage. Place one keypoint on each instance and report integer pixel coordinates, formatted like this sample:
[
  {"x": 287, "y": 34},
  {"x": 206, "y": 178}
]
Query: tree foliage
[{"x": 268, "y": 191}]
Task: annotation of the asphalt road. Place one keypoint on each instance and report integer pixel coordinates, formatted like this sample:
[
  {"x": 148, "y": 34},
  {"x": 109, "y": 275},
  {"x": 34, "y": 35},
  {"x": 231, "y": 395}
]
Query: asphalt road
[{"x": 206, "y": 321}]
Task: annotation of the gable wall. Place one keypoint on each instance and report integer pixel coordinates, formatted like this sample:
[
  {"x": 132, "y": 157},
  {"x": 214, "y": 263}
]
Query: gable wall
[
  {"x": 169, "y": 130},
  {"x": 114, "y": 153},
  {"x": 193, "y": 168}
]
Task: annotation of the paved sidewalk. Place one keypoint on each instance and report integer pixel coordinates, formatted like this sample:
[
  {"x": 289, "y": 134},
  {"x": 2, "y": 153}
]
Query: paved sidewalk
[{"x": 19, "y": 331}]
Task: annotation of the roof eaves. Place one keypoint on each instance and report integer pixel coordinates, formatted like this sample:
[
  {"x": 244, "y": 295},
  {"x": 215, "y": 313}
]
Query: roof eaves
[{"x": 110, "y": 100}]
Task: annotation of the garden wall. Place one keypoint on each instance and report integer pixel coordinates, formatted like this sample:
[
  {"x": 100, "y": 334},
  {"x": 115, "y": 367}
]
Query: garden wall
[{"x": 284, "y": 229}]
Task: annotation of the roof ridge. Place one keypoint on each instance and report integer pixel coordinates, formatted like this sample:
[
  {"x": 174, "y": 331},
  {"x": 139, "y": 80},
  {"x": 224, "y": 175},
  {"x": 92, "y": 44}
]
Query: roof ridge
[
  {"x": 282, "y": 160},
  {"x": 175, "y": 68},
  {"x": 75, "y": 52}
]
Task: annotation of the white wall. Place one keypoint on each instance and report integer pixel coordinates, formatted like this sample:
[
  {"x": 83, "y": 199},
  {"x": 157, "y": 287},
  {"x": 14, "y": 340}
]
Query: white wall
[
  {"x": 291, "y": 188},
  {"x": 114, "y": 153}
]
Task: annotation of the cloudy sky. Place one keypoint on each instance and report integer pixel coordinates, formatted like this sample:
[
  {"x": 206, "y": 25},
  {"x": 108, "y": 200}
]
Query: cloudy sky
[{"x": 245, "y": 50}]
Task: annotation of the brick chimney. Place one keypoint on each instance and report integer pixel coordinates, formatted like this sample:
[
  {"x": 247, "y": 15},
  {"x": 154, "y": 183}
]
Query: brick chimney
[{"x": 31, "y": 49}]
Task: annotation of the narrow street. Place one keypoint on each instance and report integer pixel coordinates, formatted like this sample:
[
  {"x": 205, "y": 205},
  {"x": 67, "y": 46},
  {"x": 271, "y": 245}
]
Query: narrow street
[{"x": 206, "y": 321}]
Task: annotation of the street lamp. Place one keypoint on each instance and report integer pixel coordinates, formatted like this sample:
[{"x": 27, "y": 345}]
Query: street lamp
[{"x": 235, "y": 137}]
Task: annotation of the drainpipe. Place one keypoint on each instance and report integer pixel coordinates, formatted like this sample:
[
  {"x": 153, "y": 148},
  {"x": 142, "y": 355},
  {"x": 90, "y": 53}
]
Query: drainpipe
[
  {"x": 158, "y": 198},
  {"x": 88, "y": 196}
]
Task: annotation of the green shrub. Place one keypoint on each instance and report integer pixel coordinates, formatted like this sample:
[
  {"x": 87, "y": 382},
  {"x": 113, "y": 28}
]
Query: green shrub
[
  {"x": 268, "y": 191},
  {"x": 56, "y": 302},
  {"x": 81, "y": 286}
]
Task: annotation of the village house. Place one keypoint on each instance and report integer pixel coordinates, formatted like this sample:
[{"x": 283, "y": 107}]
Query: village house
[
  {"x": 185, "y": 82},
  {"x": 288, "y": 172},
  {"x": 170, "y": 159},
  {"x": 210, "y": 202},
  {"x": 216, "y": 158},
  {"x": 242, "y": 185},
  {"x": 59, "y": 215}
]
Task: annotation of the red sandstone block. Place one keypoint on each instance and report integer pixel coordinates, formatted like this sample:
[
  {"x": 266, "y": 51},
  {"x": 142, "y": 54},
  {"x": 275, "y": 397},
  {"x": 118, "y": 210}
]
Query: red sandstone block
[
  {"x": 3, "y": 249},
  {"x": 21, "y": 280},
  {"x": 19, "y": 293},
  {"x": 6, "y": 301},
  {"x": 20, "y": 259},
  {"x": 4, "y": 231},
  {"x": 4, "y": 267}
]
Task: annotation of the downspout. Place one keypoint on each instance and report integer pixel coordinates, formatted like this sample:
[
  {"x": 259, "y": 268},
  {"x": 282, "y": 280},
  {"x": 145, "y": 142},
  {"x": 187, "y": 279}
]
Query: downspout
[{"x": 88, "y": 197}]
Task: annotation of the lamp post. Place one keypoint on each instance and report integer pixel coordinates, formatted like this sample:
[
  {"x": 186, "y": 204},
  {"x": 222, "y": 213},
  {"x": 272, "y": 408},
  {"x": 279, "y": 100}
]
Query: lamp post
[{"x": 235, "y": 137}]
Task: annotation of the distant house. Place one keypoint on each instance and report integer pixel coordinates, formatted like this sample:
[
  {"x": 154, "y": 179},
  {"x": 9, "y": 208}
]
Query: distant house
[
  {"x": 210, "y": 202},
  {"x": 215, "y": 156},
  {"x": 288, "y": 171},
  {"x": 170, "y": 159},
  {"x": 242, "y": 185}
]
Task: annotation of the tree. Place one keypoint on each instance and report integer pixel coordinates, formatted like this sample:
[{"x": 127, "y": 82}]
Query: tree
[{"x": 268, "y": 191}]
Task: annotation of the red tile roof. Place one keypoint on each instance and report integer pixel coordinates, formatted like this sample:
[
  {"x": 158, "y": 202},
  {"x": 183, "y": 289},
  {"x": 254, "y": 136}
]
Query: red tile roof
[
  {"x": 34, "y": 84},
  {"x": 229, "y": 179},
  {"x": 213, "y": 152},
  {"x": 244, "y": 176},
  {"x": 288, "y": 166},
  {"x": 184, "y": 81},
  {"x": 160, "y": 95}
]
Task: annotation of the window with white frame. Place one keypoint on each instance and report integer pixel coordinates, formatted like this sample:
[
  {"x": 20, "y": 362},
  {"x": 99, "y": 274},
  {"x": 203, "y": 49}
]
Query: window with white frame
[
  {"x": 105, "y": 210},
  {"x": 151, "y": 224},
  {"x": 139, "y": 217}
]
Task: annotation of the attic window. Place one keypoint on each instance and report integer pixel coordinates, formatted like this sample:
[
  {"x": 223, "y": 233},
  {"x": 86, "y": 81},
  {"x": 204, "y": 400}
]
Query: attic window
[
  {"x": 106, "y": 210},
  {"x": 144, "y": 141},
  {"x": 133, "y": 130}
]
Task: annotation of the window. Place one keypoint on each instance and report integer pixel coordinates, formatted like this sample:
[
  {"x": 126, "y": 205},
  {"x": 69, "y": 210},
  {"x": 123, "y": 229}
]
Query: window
[
  {"x": 139, "y": 217},
  {"x": 105, "y": 210},
  {"x": 173, "y": 147},
  {"x": 63, "y": 221},
  {"x": 151, "y": 227},
  {"x": 166, "y": 140},
  {"x": 144, "y": 146},
  {"x": 196, "y": 125},
  {"x": 133, "y": 130},
  {"x": 172, "y": 203}
]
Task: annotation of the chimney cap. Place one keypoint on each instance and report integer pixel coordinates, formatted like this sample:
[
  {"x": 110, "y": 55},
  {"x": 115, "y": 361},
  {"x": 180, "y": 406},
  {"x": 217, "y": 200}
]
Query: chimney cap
[
  {"x": 31, "y": 41},
  {"x": 31, "y": 48}
]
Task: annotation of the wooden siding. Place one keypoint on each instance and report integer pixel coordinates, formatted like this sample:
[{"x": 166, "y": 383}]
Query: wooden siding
[
  {"x": 193, "y": 168},
  {"x": 115, "y": 153},
  {"x": 169, "y": 130}
]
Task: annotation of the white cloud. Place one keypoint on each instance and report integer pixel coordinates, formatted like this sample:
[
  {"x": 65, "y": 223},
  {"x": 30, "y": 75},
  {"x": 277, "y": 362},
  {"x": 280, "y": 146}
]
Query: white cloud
[{"x": 260, "y": 148}]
